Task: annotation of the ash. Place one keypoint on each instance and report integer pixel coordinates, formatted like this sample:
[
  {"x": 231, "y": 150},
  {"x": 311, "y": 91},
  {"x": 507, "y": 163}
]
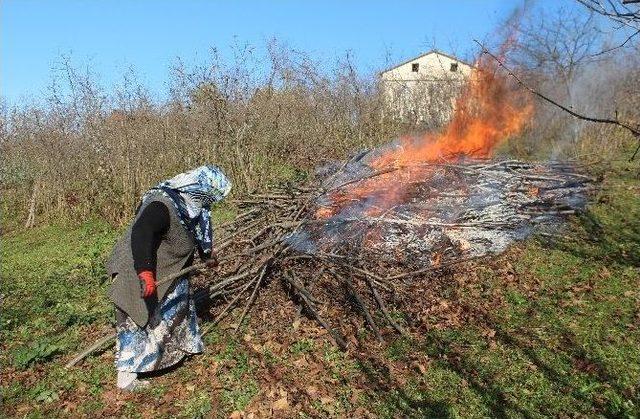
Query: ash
[{"x": 429, "y": 214}]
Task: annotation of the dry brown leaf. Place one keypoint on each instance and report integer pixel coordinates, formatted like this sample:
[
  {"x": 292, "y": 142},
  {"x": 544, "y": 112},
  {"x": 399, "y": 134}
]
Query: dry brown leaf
[
  {"x": 301, "y": 363},
  {"x": 280, "y": 404}
]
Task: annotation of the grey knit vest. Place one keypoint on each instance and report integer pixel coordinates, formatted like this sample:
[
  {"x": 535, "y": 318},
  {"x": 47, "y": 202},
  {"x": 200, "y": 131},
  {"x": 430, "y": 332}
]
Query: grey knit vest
[{"x": 175, "y": 253}]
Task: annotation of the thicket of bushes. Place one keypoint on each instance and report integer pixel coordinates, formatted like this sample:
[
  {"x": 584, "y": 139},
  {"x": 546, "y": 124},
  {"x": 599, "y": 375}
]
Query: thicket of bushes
[{"x": 89, "y": 152}]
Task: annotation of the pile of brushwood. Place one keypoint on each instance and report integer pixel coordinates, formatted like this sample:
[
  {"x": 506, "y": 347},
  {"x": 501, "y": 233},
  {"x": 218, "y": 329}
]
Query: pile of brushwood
[{"x": 319, "y": 239}]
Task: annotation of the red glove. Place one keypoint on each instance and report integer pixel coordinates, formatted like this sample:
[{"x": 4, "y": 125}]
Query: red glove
[{"x": 147, "y": 283}]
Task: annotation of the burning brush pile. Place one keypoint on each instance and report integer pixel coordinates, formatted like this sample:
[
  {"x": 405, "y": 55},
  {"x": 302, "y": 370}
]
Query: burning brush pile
[
  {"x": 387, "y": 217},
  {"x": 446, "y": 212},
  {"x": 418, "y": 219}
]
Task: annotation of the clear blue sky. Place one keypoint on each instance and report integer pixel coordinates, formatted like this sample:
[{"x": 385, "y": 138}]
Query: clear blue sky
[{"x": 111, "y": 36}]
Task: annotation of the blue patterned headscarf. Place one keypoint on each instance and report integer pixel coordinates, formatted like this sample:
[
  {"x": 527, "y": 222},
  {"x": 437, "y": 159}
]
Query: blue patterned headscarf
[{"x": 193, "y": 193}]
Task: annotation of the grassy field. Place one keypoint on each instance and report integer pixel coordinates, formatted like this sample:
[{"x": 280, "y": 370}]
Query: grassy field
[{"x": 550, "y": 328}]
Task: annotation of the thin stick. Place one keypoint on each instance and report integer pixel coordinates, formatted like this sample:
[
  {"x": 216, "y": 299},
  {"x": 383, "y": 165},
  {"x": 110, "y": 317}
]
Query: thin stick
[
  {"x": 301, "y": 289},
  {"x": 239, "y": 218},
  {"x": 226, "y": 242},
  {"x": 383, "y": 308},
  {"x": 337, "y": 338},
  {"x": 228, "y": 281},
  {"x": 184, "y": 271},
  {"x": 336, "y": 259},
  {"x": 362, "y": 306},
  {"x": 264, "y": 246},
  {"x": 252, "y": 299},
  {"x": 271, "y": 196},
  {"x": 226, "y": 309},
  {"x": 433, "y": 268},
  {"x": 375, "y": 174},
  {"x": 98, "y": 344},
  {"x": 91, "y": 349}
]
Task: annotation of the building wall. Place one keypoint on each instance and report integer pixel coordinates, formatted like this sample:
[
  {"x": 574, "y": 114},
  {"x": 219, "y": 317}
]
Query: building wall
[
  {"x": 428, "y": 94},
  {"x": 433, "y": 66}
]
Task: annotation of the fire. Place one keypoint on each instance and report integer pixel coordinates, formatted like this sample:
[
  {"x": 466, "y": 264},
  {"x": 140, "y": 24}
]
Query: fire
[{"x": 489, "y": 111}]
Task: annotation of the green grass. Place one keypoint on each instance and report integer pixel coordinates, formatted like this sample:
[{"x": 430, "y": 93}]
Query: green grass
[
  {"x": 564, "y": 339},
  {"x": 302, "y": 346},
  {"x": 223, "y": 213},
  {"x": 198, "y": 405},
  {"x": 54, "y": 289},
  {"x": 54, "y": 283}
]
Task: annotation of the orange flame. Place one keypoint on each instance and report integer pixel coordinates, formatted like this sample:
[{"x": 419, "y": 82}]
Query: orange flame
[{"x": 489, "y": 111}]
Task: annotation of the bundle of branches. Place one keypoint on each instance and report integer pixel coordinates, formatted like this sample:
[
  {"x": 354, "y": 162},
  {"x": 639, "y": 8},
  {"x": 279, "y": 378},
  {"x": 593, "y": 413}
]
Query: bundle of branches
[{"x": 318, "y": 239}]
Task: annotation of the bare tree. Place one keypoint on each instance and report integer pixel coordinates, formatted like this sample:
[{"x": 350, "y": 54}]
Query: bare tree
[
  {"x": 557, "y": 46},
  {"x": 565, "y": 58},
  {"x": 624, "y": 16}
]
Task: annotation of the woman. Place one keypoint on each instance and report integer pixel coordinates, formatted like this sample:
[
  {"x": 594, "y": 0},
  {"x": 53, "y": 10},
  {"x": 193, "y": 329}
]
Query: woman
[{"x": 156, "y": 322}]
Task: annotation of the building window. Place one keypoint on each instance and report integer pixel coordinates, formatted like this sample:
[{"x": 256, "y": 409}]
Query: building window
[
  {"x": 454, "y": 67},
  {"x": 415, "y": 67}
]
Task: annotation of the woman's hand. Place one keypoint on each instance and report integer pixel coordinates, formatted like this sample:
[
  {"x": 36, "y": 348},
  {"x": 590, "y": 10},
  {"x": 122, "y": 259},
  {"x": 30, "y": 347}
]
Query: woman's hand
[
  {"x": 147, "y": 283},
  {"x": 212, "y": 261}
]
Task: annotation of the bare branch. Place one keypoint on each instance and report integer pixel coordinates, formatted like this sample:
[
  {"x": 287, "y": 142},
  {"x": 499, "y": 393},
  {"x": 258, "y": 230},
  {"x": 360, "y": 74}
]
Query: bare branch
[{"x": 615, "y": 122}]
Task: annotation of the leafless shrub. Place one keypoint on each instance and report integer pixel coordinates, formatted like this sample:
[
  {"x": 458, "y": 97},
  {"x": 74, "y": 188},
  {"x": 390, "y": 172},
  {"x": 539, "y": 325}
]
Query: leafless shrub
[{"x": 263, "y": 117}]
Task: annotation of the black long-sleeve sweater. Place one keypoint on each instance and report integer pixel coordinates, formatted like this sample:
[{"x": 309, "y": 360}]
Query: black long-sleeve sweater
[{"x": 146, "y": 234}]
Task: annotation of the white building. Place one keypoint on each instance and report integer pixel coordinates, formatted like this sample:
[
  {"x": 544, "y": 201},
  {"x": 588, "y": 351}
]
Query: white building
[{"x": 424, "y": 88}]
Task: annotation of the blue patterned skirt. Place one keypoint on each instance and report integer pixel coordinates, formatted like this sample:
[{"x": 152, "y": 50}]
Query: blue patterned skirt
[{"x": 172, "y": 333}]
